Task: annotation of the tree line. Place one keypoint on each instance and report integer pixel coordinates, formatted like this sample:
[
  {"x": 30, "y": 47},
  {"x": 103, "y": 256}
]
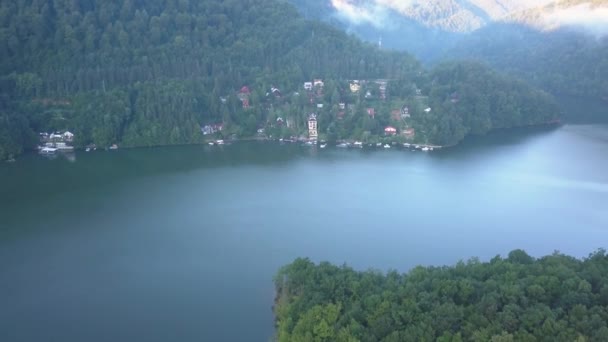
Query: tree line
[{"x": 518, "y": 298}]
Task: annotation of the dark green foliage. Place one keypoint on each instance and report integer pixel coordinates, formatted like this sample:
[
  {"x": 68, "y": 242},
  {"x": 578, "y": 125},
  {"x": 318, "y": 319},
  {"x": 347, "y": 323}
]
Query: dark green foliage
[
  {"x": 554, "y": 298},
  {"x": 468, "y": 98},
  {"x": 563, "y": 62},
  {"x": 145, "y": 73}
]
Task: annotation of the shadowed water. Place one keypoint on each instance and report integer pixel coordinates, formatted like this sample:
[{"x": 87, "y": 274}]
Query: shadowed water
[{"x": 181, "y": 243}]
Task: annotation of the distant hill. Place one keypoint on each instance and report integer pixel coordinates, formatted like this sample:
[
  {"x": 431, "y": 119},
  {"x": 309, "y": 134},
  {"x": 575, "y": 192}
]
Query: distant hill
[{"x": 564, "y": 62}]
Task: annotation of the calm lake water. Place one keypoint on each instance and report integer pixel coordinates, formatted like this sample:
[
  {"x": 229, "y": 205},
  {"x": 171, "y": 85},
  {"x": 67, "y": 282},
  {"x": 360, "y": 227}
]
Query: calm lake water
[{"x": 181, "y": 243}]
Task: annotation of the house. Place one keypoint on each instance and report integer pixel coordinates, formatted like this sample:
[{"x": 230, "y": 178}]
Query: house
[
  {"x": 355, "y": 86},
  {"x": 308, "y": 85},
  {"x": 318, "y": 83},
  {"x": 275, "y": 91},
  {"x": 368, "y": 94},
  {"x": 244, "y": 96},
  {"x": 68, "y": 136},
  {"x": 245, "y": 103},
  {"x": 319, "y": 105},
  {"x": 342, "y": 105},
  {"x": 312, "y": 127},
  {"x": 56, "y": 137},
  {"x": 211, "y": 129},
  {"x": 418, "y": 92},
  {"x": 428, "y": 110},
  {"x": 280, "y": 121},
  {"x": 371, "y": 112},
  {"x": 223, "y": 99},
  {"x": 396, "y": 114},
  {"x": 454, "y": 98},
  {"x": 390, "y": 130},
  {"x": 207, "y": 130},
  {"x": 409, "y": 133},
  {"x": 405, "y": 112}
]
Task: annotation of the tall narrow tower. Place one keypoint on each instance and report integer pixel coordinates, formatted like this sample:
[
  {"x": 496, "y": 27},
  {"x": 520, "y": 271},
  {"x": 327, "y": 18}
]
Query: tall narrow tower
[{"x": 312, "y": 127}]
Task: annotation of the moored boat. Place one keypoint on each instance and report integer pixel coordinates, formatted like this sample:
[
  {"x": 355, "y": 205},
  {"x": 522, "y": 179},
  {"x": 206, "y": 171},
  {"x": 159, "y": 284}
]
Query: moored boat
[{"x": 48, "y": 150}]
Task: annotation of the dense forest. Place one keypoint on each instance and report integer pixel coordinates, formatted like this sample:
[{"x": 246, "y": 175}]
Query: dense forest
[
  {"x": 145, "y": 73},
  {"x": 563, "y": 62},
  {"x": 518, "y": 298}
]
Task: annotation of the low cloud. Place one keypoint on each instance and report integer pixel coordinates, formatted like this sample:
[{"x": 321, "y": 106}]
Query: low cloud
[
  {"x": 593, "y": 20},
  {"x": 370, "y": 13}
]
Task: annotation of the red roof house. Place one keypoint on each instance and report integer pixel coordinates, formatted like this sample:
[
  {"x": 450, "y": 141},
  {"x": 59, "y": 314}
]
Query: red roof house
[{"x": 390, "y": 130}]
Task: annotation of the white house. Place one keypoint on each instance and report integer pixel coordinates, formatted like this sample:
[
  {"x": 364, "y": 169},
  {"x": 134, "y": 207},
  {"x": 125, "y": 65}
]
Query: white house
[
  {"x": 428, "y": 109},
  {"x": 308, "y": 85},
  {"x": 69, "y": 136}
]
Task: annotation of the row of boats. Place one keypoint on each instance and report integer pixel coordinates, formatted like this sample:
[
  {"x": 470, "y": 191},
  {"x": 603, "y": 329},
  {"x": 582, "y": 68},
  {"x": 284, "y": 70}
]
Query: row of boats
[
  {"x": 52, "y": 148},
  {"x": 358, "y": 144}
]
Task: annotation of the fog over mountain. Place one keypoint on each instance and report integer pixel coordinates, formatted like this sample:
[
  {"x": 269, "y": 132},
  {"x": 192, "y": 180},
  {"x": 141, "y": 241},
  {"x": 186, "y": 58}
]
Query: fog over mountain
[
  {"x": 559, "y": 45},
  {"x": 470, "y": 15}
]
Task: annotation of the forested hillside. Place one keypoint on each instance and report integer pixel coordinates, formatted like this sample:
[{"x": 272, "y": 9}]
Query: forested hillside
[
  {"x": 150, "y": 72},
  {"x": 563, "y": 62},
  {"x": 518, "y": 298},
  {"x": 145, "y": 73}
]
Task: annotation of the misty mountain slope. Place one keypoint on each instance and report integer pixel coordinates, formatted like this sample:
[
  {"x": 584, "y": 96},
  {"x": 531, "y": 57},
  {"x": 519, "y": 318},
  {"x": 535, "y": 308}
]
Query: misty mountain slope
[
  {"x": 564, "y": 62},
  {"x": 470, "y": 15}
]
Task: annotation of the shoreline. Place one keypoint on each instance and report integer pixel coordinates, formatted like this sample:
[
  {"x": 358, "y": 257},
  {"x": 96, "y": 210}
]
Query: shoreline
[{"x": 350, "y": 142}]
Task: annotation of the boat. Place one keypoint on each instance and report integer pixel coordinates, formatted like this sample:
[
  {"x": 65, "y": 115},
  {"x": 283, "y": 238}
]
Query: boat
[
  {"x": 358, "y": 144},
  {"x": 63, "y": 147},
  {"x": 406, "y": 145},
  {"x": 323, "y": 145},
  {"x": 387, "y": 146},
  {"x": 417, "y": 146},
  {"x": 114, "y": 147},
  {"x": 220, "y": 142},
  {"x": 211, "y": 143},
  {"x": 88, "y": 149},
  {"x": 425, "y": 148},
  {"x": 48, "y": 150},
  {"x": 342, "y": 145},
  {"x": 378, "y": 144},
  {"x": 310, "y": 143}
]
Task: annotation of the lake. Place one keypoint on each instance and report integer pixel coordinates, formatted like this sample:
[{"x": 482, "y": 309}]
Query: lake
[{"x": 181, "y": 243}]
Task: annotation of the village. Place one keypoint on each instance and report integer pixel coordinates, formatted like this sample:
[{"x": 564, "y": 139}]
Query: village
[
  {"x": 392, "y": 118},
  {"x": 62, "y": 142},
  {"x": 56, "y": 142}
]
